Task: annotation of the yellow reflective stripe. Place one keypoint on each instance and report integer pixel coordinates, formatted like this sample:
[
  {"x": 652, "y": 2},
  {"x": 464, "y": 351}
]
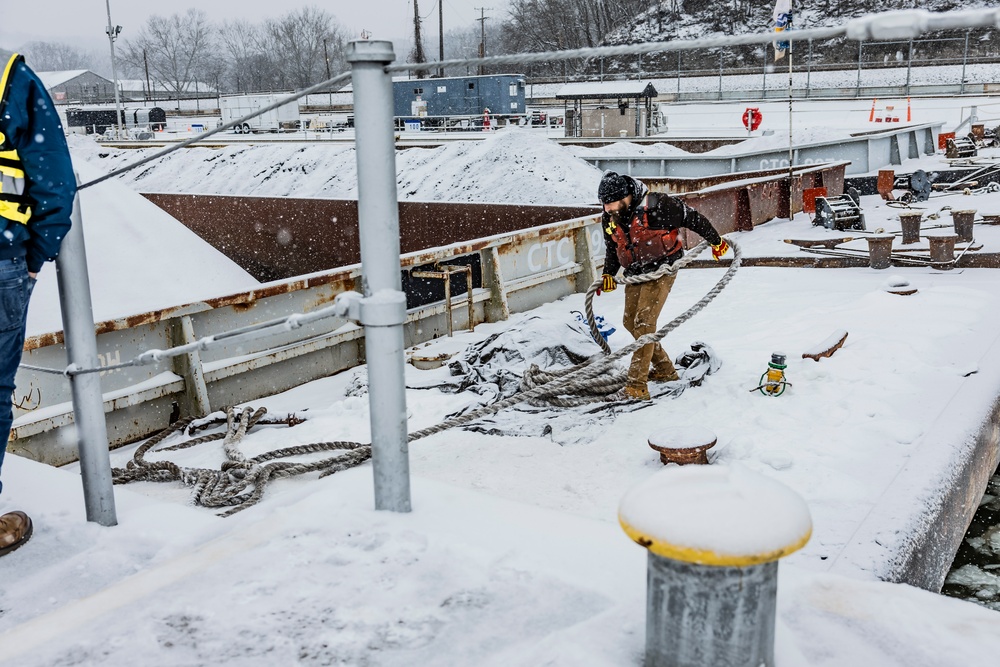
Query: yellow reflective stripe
[
  {"x": 11, "y": 211},
  {"x": 6, "y": 74},
  {"x": 13, "y": 172},
  {"x": 706, "y": 557}
]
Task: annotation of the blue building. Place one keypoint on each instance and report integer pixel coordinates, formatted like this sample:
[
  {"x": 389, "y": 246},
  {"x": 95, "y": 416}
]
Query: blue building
[{"x": 502, "y": 94}]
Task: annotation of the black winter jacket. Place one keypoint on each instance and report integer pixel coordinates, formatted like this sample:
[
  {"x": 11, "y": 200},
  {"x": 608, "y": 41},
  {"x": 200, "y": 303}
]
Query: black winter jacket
[{"x": 665, "y": 212}]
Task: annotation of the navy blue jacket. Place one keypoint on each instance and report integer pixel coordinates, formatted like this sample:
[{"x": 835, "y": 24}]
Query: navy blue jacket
[{"x": 32, "y": 127}]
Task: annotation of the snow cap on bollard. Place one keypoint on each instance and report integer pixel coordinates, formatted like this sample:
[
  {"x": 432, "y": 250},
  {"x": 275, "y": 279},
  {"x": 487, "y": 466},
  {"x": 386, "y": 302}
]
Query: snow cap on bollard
[{"x": 732, "y": 516}]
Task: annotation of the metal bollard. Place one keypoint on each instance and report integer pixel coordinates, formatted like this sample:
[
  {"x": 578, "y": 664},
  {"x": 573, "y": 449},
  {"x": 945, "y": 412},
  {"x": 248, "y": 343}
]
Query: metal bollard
[
  {"x": 910, "y": 224},
  {"x": 712, "y": 574},
  {"x": 942, "y": 246},
  {"x": 880, "y": 250},
  {"x": 963, "y": 221}
]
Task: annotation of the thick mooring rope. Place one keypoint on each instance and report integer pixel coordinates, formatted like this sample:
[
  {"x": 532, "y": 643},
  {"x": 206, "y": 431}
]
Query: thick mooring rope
[{"x": 240, "y": 482}]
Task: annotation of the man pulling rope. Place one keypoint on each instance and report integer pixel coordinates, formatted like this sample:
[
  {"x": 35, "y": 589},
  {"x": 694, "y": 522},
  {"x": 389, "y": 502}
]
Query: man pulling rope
[{"x": 641, "y": 234}]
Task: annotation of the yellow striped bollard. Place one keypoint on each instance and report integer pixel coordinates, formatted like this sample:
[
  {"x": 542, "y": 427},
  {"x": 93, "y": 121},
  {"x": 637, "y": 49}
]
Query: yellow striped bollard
[{"x": 714, "y": 536}]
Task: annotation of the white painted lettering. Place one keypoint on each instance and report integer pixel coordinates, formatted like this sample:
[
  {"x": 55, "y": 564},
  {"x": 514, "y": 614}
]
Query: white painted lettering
[
  {"x": 533, "y": 265},
  {"x": 109, "y": 359},
  {"x": 563, "y": 254}
]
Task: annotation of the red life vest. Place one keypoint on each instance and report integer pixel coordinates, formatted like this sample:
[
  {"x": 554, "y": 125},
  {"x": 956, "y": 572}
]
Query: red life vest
[{"x": 639, "y": 244}]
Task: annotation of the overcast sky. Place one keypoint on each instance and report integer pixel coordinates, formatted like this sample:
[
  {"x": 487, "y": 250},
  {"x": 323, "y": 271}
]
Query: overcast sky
[{"x": 81, "y": 23}]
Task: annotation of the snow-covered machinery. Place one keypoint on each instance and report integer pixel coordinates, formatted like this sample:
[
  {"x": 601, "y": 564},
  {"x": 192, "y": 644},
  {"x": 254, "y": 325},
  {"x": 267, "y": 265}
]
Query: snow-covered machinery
[
  {"x": 917, "y": 186},
  {"x": 960, "y": 147},
  {"x": 841, "y": 212}
]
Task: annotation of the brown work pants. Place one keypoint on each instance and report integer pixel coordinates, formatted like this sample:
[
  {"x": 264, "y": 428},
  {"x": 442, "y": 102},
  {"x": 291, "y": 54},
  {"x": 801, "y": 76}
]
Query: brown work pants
[{"x": 643, "y": 303}]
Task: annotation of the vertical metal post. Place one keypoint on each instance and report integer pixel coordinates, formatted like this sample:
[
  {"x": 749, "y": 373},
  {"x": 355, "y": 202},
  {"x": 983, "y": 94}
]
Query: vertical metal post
[
  {"x": 791, "y": 157},
  {"x": 857, "y": 90},
  {"x": 965, "y": 60},
  {"x": 909, "y": 65},
  {"x": 383, "y": 309},
  {"x": 720, "y": 74},
  {"x": 678, "y": 76},
  {"x": 763, "y": 82},
  {"x": 447, "y": 301},
  {"x": 809, "y": 68},
  {"x": 191, "y": 369},
  {"x": 81, "y": 350},
  {"x": 112, "y": 35}
]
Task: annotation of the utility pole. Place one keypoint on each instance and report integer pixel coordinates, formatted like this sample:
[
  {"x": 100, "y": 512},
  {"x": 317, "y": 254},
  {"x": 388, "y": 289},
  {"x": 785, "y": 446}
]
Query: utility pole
[
  {"x": 418, "y": 49},
  {"x": 112, "y": 35},
  {"x": 145, "y": 64},
  {"x": 441, "y": 36},
  {"x": 482, "y": 34}
]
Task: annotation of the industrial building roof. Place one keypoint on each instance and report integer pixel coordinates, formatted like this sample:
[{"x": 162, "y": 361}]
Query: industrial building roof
[
  {"x": 57, "y": 78},
  {"x": 603, "y": 90}
]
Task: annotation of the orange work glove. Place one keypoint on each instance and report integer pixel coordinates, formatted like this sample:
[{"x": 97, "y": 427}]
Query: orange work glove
[
  {"x": 608, "y": 283},
  {"x": 719, "y": 250}
]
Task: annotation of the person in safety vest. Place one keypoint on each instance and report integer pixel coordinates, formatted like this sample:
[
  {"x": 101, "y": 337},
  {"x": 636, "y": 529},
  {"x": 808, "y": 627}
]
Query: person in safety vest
[
  {"x": 640, "y": 234},
  {"x": 37, "y": 187}
]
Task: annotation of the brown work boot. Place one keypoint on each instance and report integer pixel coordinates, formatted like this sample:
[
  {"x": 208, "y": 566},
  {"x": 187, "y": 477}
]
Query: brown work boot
[
  {"x": 667, "y": 374},
  {"x": 636, "y": 393},
  {"x": 15, "y": 530}
]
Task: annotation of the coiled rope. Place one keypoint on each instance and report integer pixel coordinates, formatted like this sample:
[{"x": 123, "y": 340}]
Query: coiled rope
[{"x": 240, "y": 482}]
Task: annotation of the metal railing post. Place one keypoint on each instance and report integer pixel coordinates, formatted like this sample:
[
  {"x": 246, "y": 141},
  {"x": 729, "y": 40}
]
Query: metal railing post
[
  {"x": 809, "y": 69},
  {"x": 678, "y": 76},
  {"x": 81, "y": 350},
  {"x": 909, "y": 66},
  {"x": 383, "y": 308},
  {"x": 857, "y": 92},
  {"x": 965, "y": 60},
  {"x": 763, "y": 81},
  {"x": 720, "y": 74}
]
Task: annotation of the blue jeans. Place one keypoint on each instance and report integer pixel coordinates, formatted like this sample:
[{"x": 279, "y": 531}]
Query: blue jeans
[{"x": 15, "y": 290}]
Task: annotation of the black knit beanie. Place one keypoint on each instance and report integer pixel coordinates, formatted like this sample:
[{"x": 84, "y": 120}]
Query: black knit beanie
[{"x": 613, "y": 187}]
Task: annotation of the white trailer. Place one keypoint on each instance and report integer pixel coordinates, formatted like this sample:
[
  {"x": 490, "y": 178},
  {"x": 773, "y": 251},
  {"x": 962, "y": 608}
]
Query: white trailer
[{"x": 285, "y": 117}]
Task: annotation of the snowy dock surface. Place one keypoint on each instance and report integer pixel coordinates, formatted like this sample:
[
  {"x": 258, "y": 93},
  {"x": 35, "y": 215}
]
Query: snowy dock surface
[{"x": 513, "y": 554}]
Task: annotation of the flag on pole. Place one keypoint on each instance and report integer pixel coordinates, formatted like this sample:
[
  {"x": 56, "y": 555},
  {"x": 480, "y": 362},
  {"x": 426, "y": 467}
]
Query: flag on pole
[{"x": 782, "y": 22}]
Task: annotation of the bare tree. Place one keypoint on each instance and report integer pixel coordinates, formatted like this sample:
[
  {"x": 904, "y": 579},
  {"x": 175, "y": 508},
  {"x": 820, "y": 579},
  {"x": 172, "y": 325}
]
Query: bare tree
[
  {"x": 177, "y": 48},
  {"x": 251, "y": 63},
  {"x": 464, "y": 43},
  {"x": 56, "y": 56},
  {"x": 301, "y": 39}
]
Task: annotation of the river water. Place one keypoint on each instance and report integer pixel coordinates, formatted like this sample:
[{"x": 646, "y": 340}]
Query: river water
[{"x": 975, "y": 574}]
